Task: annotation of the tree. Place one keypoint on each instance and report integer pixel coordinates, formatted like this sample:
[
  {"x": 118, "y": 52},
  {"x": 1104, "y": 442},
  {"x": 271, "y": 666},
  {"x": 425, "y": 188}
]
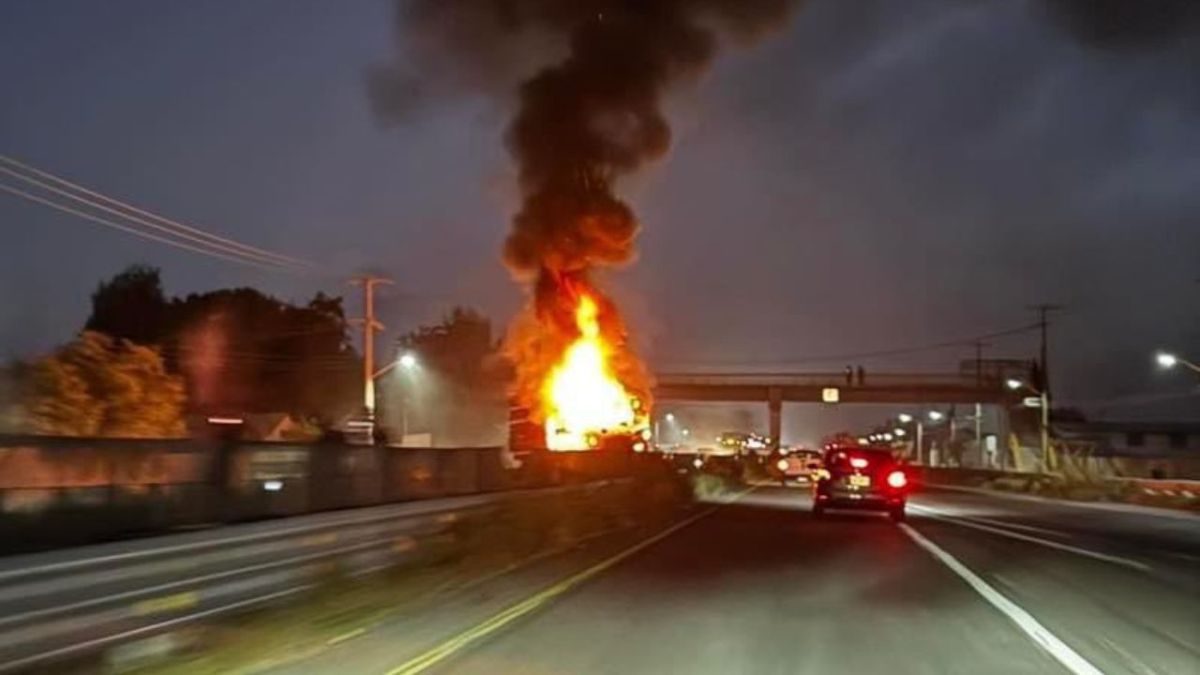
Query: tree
[
  {"x": 457, "y": 347},
  {"x": 458, "y": 392},
  {"x": 130, "y": 306},
  {"x": 100, "y": 386},
  {"x": 241, "y": 350},
  {"x": 238, "y": 349}
]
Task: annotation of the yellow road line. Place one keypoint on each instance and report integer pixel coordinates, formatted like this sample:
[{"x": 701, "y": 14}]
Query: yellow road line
[
  {"x": 348, "y": 635},
  {"x": 455, "y": 644}
]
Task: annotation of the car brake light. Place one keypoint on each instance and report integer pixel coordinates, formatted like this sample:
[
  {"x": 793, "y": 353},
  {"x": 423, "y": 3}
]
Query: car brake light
[
  {"x": 858, "y": 462},
  {"x": 897, "y": 479}
]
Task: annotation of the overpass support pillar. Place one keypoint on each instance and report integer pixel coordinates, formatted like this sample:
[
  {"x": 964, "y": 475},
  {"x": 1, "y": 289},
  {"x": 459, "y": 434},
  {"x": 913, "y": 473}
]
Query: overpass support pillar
[{"x": 775, "y": 408}]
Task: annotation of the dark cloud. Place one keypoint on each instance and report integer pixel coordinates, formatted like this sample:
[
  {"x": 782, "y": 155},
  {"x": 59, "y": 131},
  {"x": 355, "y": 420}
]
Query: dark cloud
[{"x": 1127, "y": 24}]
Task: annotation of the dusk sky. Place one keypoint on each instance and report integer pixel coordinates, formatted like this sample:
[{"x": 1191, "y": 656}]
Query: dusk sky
[{"x": 878, "y": 175}]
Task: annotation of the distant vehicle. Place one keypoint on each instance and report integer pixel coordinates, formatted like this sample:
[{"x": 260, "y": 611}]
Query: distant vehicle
[
  {"x": 525, "y": 436},
  {"x": 862, "y": 478},
  {"x": 799, "y": 466},
  {"x": 733, "y": 441}
]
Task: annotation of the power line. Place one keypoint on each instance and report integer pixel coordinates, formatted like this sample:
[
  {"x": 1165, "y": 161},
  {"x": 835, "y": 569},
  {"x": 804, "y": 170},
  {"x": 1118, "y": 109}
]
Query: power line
[
  {"x": 963, "y": 342},
  {"x": 244, "y": 249},
  {"x": 175, "y": 228},
  {"x": 262, "y": 356},
  {"x": 141, "y": 221},
  {"x": 132, "y": 230},
  {"x": 1130, "y": 400}
]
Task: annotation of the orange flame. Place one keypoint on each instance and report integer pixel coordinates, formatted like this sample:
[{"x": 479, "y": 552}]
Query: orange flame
[{"x": 583, "y": 398}]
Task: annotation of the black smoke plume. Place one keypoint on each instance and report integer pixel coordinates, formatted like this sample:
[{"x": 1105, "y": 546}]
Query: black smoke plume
[
  {"x": 1128, "y": 24},
  {"x": 589, "y": 77}
]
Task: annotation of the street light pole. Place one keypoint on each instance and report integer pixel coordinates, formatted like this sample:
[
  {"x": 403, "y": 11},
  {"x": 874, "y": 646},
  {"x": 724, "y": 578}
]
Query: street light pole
[
  {"x": 979, "y": 432},
  {"x": 1169, "y": 360},
  {"x": 407, "y": 361},
  {"x": 920, "y": 441},
  {"x": 1044, "y": 400},
  {"x": 1047, "y": 456}
]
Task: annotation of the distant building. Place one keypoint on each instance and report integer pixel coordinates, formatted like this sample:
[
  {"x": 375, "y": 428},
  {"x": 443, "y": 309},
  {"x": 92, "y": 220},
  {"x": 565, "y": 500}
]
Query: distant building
[{"x": 1138, "y": 449}]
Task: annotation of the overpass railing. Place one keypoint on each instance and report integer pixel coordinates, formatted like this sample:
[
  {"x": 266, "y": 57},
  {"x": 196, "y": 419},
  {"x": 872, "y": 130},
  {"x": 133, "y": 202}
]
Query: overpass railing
[{"x": 869, "y": 379}]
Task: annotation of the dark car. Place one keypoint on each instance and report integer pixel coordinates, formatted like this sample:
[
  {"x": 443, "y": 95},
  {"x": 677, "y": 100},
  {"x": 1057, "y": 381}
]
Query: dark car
[{"x": 862, "y": 478}]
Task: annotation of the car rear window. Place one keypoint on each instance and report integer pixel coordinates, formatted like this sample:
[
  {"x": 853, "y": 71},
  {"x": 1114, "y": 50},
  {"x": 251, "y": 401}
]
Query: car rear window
[{"x": 839, "y": 459}]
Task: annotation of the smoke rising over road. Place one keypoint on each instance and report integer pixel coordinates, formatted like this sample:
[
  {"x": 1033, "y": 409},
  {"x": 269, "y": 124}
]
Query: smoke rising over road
[{"x": 592, "y": 75}]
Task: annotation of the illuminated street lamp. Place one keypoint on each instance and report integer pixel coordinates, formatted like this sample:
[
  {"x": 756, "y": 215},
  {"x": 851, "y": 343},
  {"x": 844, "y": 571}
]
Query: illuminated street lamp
[
  {"x": 919, "y": 440},
  {"x": 669, "y": 418},
  {"x": 1168, "y": 360},
  {"x": 936, "y": 415},
  {"x": 407, "y": 361},
  {"x": 1015, "y": 384}
]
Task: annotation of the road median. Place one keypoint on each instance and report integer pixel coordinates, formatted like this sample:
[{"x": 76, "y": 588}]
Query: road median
[{"x": 516, "y": 533}]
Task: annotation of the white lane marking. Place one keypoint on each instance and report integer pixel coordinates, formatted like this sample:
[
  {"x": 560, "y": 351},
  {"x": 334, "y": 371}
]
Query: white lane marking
[
  {"x": 992, "y": 521},
  {"x": 1006, "y": 524},
  {"x": 1130, "y": 509},
  {"x": 1116, "y": 560},
  {"x": 1061, "y": 652},
  {"x": 1135, "y": 664}
]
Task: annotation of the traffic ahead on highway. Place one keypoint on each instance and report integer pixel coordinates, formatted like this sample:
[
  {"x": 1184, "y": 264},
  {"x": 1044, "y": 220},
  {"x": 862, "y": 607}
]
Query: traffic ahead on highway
[{"x": 600, "y": 336}]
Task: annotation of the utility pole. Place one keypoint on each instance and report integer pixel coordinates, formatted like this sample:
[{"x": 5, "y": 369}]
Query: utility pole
[
  {"x": 979, "y": 345},
  {"x": 369, "y": 326},
  {"x": 1044, "y": 311}
]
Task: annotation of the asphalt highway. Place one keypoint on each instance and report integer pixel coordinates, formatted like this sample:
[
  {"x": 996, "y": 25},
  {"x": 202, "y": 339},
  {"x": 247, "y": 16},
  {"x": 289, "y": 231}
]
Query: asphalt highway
[{"x": 972, "y": 583}]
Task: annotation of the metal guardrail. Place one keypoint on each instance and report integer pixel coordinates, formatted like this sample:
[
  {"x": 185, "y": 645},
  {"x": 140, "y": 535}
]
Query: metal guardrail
[
  {"x": 56, "y": 493},
  {"x": 1160, "y": 487},
  {"x": 1152, "y": 487},
  {"x": 74, "y": 602}
]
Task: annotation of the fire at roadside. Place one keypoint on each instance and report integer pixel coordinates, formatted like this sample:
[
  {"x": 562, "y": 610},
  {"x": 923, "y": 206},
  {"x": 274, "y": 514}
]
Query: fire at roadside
[
  {"x": 590, "y": 80},
  {"x": 577, "y": 381}
]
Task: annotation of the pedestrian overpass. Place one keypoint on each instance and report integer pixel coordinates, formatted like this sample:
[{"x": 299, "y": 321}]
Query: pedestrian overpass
[{"x": 833, "y": 389}]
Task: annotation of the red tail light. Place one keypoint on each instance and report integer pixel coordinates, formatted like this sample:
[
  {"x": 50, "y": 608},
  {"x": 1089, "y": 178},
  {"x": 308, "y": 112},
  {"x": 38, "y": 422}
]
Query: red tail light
[
  {"x": 897, "y": 479},
  {"x": 858, "y": 462}
]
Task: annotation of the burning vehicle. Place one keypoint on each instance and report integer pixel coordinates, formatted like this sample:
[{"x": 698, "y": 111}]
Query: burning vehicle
[{"x": 579, "y": 401}]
